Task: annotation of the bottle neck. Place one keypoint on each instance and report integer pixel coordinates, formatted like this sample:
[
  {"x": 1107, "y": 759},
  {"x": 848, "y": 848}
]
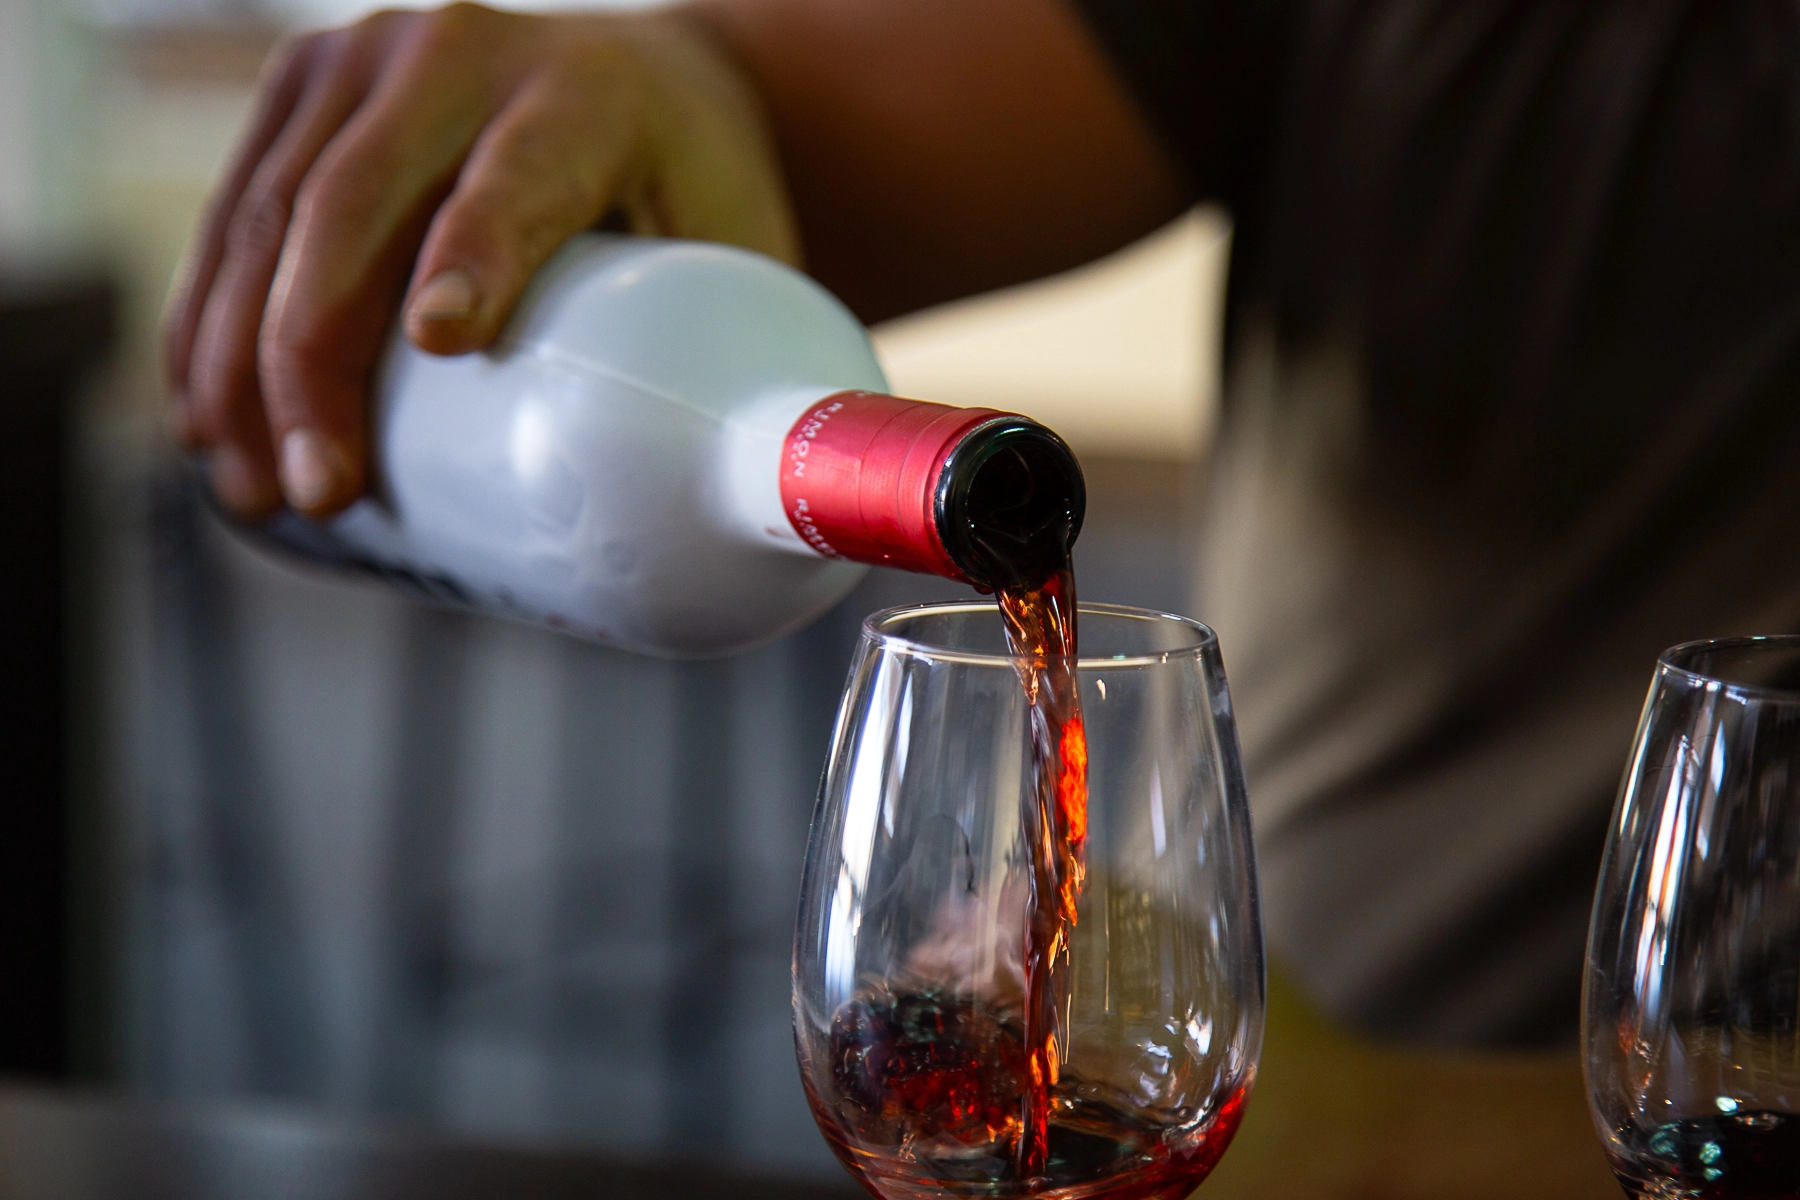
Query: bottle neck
[{"x": 956, "y": 492}]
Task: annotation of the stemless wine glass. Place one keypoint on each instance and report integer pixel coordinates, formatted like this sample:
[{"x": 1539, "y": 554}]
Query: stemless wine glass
[
  {"x": 1691, "y": 1007},
  {"x": 908, "y": 985}
]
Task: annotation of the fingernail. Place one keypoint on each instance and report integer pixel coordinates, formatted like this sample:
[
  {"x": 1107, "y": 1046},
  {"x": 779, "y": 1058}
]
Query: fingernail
[
  {"x": 237, "y": 483},
  {"x": 446, "y": 296},
  {"x": 311, "y": 468}
]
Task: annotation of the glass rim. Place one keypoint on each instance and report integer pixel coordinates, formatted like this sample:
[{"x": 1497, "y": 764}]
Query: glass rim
[
  {"x": 1204, "y": 637},
  {"x": 1669, "y": 660}
]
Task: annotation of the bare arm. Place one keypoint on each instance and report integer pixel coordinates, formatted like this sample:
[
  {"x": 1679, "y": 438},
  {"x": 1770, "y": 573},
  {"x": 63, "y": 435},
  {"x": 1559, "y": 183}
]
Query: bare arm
[
  {"x": 435, "y": 160},
  {"x": 937, "y": 148}
]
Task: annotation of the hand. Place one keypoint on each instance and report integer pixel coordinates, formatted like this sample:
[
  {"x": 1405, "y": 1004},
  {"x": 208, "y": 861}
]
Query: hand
[{"x": 437, "y": 158}]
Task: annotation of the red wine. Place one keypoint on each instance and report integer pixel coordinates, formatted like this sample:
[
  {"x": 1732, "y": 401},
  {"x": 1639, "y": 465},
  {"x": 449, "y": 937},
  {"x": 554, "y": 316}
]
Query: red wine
[
  {"x": 1040, "y": 625},
  {"x": 934, "y": 1096},
  {"x": 1021, "y": 532},
  {"x": 1751, "y": 1155},
  {"x": 937, "y": 1091}
]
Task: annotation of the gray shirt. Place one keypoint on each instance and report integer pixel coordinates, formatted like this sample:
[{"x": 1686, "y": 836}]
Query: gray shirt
[{"x": 1512, "y": 404}]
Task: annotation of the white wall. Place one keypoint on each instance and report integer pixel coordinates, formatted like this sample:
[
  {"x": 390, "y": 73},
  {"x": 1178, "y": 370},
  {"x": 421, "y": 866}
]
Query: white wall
[
  {"x": 15, "y": 146},
  {"x": 46, "y": 129}
]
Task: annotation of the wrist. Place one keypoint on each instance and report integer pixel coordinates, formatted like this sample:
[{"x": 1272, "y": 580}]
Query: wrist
[{"x": 719, "y": 149}]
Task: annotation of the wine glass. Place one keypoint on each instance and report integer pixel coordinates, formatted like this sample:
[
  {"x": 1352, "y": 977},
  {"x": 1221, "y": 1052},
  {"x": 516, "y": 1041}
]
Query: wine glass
[
  {"x": 1691, "y": 1006},
  {"x": 911, "y": 966}
]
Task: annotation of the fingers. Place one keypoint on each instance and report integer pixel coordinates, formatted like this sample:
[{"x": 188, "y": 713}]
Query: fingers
[
  {"x": 224, "y": 405},
  {"x": 459, "y": 148},
  {"x": 322, "y": 334},
  {"x": 565, "y": 149},
  {"x": 356, "y": 227},
  {"x": 279, "y": 90}
]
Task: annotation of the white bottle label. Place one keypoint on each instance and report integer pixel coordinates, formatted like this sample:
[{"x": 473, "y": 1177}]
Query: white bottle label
[{"x": 752, "y": 440}]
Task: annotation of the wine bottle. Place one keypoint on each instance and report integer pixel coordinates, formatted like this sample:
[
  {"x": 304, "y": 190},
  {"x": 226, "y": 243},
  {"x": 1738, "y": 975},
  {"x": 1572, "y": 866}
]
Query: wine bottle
[{"x": 684, "y": 449}]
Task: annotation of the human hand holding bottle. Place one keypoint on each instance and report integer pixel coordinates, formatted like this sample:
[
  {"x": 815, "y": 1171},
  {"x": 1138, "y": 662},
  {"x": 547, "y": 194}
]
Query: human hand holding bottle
[{"x": 431, "y": 161}]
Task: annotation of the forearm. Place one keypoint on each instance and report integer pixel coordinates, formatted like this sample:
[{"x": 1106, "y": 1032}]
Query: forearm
[{"x": 936, "y": 148}]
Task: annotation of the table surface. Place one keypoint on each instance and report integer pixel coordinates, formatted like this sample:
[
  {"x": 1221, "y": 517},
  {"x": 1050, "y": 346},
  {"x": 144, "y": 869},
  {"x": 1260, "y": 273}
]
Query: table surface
[{"x": 68, "y": 1145}]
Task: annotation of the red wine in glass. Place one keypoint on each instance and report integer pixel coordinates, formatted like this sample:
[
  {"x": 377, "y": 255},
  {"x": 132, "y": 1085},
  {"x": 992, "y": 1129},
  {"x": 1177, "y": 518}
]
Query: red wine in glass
[
  {"x": 947, "y": 1082},
  {"x": 931, "y": 1078},
  {"x": 1690, "y": 1036},
  {"x": 1751, "y": 1155}
]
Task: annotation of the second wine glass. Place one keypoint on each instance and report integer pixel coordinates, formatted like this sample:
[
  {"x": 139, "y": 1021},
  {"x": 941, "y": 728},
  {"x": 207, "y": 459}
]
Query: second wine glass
[
  {"x": 1691, "y": 1011},
  {"x": 909, "y": 988}
]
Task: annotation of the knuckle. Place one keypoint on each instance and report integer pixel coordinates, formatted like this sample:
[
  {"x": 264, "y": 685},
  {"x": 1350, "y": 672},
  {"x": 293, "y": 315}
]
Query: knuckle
[
  {"x": 452, "y": 30},
  {"x": 534, "y": 159},
  {"x": 292, "y": 50},
  {"x": 282, "y": 60},
  {"x": 294, "y": 349},
  {"x": 259, "y": 224},
  {"x": 360, "y": 47},
  {"x": 526, "y": 199},
  {"x": 481, "y": 216},
  {"x": 331, "y": 47},
  {"x": 464, "y": 16},
  {"x": 472, "y": 230},
  {"x": 534, "y": 234},
  {"x": 325, "y": 55},
  {"x": 342, "y": 191},
  {"x": 379, "y": 25}
]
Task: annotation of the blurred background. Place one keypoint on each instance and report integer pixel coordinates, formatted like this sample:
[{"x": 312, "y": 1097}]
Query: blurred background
[{"x": 285, "y": 835}]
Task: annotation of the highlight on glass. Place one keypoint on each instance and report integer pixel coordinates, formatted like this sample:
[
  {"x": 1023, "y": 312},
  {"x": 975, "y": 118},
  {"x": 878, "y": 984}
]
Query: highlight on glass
[
  {"x": 1691, "y": 1007},
  {"x": 1003, "y": 988}
]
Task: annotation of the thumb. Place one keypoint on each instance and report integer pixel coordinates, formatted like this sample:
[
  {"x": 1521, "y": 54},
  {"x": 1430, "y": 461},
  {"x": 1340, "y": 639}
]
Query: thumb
[{"x": 549, "y": 165}]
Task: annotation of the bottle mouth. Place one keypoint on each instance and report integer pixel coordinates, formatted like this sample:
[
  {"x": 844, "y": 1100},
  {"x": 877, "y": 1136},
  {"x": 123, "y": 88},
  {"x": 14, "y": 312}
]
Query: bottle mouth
[{"x": 1009, "y": 503}]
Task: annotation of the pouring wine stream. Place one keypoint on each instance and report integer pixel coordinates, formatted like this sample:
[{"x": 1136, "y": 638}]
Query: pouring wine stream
[{"x": 1029, "y": 549}]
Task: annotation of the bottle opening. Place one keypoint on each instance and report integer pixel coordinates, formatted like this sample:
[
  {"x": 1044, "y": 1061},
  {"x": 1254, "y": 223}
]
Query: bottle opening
[
  {"x": 1010, "y": 503},
  {"x": 989, "y": 498}
]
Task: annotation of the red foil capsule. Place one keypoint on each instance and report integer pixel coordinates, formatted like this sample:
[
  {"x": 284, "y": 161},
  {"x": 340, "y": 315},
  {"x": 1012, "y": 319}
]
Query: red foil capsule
[{"x": 860, "y": 474}]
